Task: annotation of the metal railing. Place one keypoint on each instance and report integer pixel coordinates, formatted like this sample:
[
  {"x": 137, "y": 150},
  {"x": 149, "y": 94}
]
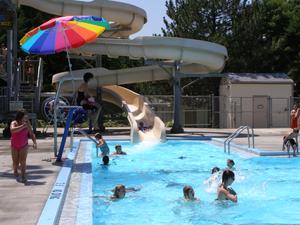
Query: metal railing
[
  {"x": 226, "y": 112},
  {"x": 237, "y": 133},
  {"x": 83, "y": 133}
]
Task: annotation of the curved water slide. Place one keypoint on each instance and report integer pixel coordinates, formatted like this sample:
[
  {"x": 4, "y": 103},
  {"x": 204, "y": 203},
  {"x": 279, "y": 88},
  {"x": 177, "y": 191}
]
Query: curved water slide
[
  {"x": 200, "y": 57},
  {"x": 138, "y": 110},
  {"x": 195, "y": 56},
  {"x": 126, "y": 19}
]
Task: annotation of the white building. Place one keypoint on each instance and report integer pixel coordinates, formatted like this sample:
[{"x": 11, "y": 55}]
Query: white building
[{"x": 257, "y": 100}]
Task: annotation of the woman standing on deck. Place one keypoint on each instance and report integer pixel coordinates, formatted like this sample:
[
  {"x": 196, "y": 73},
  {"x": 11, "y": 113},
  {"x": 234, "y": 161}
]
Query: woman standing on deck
[{"x": 20, "y": 129}]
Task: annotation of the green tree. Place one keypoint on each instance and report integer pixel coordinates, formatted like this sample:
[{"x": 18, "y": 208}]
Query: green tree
[{"x": 260, "y": 35}]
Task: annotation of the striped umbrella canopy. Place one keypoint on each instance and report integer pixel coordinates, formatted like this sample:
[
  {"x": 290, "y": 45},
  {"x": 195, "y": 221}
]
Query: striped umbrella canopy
[{"x": 63, "y": 33}]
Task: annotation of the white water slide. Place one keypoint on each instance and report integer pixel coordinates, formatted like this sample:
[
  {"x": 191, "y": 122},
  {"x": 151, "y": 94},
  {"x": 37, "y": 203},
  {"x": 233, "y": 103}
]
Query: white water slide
[{"x": 196, "y": 56}]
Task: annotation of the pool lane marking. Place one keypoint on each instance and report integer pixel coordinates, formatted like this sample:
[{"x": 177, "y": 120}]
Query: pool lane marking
[{"x": 53, "y": 207}]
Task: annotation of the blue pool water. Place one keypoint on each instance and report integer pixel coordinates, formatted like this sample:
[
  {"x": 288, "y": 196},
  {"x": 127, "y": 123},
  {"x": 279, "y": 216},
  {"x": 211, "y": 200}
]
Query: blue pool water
[{"x": 267, "y": 188}]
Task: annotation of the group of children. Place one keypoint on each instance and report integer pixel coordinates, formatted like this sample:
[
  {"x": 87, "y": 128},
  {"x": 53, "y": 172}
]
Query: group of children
[
  {"x": 120, "y": 190},
  {"x": 101, "y": 143},
  {"x": 224, "y": 191}
]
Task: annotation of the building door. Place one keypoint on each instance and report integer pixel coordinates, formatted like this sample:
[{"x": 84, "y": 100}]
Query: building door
[{"x": 260, "y": 111}]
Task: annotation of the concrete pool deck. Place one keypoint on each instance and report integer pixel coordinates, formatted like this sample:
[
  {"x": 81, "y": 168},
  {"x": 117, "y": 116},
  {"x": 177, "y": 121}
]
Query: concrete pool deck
[{"x": 22, "y": 204}]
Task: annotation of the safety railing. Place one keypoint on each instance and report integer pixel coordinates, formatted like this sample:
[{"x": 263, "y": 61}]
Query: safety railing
[
  {"x": 236, "y": 134},
  {"x": 85, "y": 134}
]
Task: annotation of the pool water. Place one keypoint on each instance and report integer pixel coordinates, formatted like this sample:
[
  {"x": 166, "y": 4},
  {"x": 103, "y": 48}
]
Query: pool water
[{"x": 267, "y": 187}]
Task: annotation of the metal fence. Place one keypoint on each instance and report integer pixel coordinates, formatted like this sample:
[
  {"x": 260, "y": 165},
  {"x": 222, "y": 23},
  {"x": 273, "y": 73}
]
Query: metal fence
[
  {"x": 219, "y": 111},
  {"x": 210, "y": 111},
  {"x": 24, "y": 89},
  {"x": 3, "y": 100}
]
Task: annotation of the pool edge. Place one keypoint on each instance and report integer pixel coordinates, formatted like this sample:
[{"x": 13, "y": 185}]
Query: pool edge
[
  {"x": 51, "y": 212},
  {"x": 255, "y": 151}
]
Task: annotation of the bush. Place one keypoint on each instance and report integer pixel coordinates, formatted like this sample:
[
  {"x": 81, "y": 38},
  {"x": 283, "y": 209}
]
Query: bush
[
  {"x": 116, "y": 123},
  {"x": 169, "y": 123},
  {"x": 41, "y": 123}
]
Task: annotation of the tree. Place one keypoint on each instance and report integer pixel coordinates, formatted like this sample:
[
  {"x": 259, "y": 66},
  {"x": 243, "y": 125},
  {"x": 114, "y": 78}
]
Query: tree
[{"x": 260, "y": 35}]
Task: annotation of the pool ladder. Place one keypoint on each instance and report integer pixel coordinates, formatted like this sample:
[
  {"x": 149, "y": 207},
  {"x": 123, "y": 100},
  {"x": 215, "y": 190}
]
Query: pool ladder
[{"x": 237, "y": 133}]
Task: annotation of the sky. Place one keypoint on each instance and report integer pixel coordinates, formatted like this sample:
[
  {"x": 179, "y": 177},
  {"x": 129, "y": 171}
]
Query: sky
[{"x": 155, "y": 10}]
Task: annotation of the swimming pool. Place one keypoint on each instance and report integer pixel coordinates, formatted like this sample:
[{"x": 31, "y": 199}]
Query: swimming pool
[{"x": 267, "y": 187}]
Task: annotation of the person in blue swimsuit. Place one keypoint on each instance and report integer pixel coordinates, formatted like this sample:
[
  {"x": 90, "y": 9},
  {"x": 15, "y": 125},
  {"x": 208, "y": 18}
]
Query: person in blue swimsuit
[{"x": 102, "y": 144}]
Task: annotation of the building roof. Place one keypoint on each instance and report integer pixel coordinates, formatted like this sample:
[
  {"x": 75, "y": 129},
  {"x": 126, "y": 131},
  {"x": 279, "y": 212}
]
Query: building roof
[{"x": 257, "y": 78}]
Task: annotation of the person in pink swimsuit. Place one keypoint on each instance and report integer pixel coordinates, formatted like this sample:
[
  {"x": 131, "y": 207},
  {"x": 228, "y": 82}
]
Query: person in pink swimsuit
[{"x": 20, "y": 128}]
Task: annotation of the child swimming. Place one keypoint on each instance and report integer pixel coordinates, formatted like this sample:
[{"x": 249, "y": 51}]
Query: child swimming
[
  {"x": 102, "y": 144},
  {"x": 230, "y": 164},
  {"x": 119, "y": 151},
  {"x": 224, "y": 191},
  {"x": 214, "y": 180},
  {"x": 119, "y": 192},
  {"x": 189, "y": 193},
  {"x": 105, "y": 160}
]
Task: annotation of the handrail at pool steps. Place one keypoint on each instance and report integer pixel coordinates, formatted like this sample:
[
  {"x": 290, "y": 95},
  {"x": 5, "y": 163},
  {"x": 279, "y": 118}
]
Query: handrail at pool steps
[
  {"x": 236, "y": 134},
  {"x": 85, "y": 134}
]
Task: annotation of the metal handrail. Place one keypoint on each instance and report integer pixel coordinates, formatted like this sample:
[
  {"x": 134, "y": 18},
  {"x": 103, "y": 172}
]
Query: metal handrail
[
  {"x": 237, "y": 133},
  {"x": 230, "y": 136},
  {"x": 85, "y": 134}
]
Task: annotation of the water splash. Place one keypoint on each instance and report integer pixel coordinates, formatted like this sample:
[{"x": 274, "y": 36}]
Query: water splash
[{"x": 143, "y": 147}]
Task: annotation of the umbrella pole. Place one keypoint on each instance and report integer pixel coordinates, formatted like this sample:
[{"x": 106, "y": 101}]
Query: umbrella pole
[
  {"x": 56, "y": 107},
  {"x": 69, "y": 61},
  {"x": 70, "y": 69}
]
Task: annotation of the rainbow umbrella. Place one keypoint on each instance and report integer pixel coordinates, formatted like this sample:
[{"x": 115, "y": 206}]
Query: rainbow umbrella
[{"x": 63, "y": 33}]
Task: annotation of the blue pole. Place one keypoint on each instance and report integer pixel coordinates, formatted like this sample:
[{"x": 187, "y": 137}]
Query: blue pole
[{"x": 65, "y": 135}]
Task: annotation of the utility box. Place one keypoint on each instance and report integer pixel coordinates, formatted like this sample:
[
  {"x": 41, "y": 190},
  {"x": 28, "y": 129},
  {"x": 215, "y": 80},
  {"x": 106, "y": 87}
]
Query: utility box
[{"x": 259, "y": 100}]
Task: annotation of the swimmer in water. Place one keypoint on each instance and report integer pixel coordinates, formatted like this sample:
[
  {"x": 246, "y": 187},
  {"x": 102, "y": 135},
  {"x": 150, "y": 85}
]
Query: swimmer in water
[
  {"x": 230, "y": 164},
  {"x": 215, "y": 170},
  {"x": 102, "y": 144},
  {"x": 215, "y": 178},
  {"x": 105, "y": 160},
  {"x": 119, "y": 192},
  {"x": 224, "y": 191},
  {"x": 189, "y": 194},
  {"x": 119, "y": 151}
]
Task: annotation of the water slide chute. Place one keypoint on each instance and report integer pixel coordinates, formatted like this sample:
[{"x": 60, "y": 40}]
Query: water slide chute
[
  {"x": 126, "y": 19},
  {"x": 197, "y": 56}
]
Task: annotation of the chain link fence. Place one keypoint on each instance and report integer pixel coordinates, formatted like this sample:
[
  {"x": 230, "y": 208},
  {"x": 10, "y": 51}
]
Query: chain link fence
[
  {"x": 223, "y": 112},
  {"x": 214, "y": 111}
]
